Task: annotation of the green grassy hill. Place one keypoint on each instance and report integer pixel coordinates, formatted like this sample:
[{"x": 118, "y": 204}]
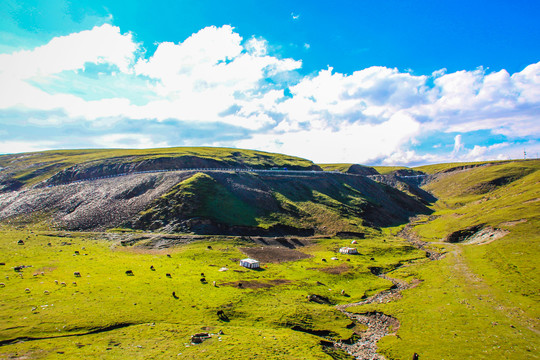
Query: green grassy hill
[
  {"x": 58, "y": 166},
  {"x": 247, "y": 204},
  {"x": 486, "y": 285},
  {"x": 70, "y": 295}
]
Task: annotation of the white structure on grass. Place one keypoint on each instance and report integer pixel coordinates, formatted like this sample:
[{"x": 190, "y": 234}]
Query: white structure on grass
[
  {"x": 250, "y": 263},
  {"x": 348, "y": 250}
]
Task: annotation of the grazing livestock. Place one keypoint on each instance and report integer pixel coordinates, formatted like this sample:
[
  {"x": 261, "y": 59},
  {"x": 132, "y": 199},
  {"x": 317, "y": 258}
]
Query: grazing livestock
[
  {"x": 174, "y": 295},
  {"x": 209, "y": 247},
  {"x": 77, "y": 252},
  {"x": 2, "y": 285},
  {"x": 27, "y": 290},
  {"x": 415, "y": 356},
  {"x": 323, "y": 260},
  {"x": 221, "y": 315},
  {"x": 49, "y": 244},
  {"x": 20, "y": 242},
  {"x": 342, "y": 291},
  {"x": 74, "y": 283},
  {"x": 56, "y": 282},
  {"x": 129, "y": 273},
  {"x": 168, "y": 255},
  {"x": 46, "y": 292},
  {"x": 152, "y": 268},
  {"x": 18, "y": 268},
  {"x": 63, "y": 283},
  {"x": 168, "y": 275},
  {"x": 42, "y": 273},
  {"x": 372, "y": 259},
  {"x": 77, "y": 274},
  {"x": 202, "y": 274},
  {"x": 214, "y": 283},
  {"x": 203, "y": 280}
]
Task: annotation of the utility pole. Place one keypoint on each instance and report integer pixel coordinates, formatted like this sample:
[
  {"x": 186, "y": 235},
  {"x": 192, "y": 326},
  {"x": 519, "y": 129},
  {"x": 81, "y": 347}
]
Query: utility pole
[{"x": 524, "y": 155}]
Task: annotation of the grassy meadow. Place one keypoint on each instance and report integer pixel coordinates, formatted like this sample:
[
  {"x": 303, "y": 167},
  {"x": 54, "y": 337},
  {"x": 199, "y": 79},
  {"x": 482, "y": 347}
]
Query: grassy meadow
[
  {"x": 109, "y": 314},
  {"x": 479, "y": 301}
]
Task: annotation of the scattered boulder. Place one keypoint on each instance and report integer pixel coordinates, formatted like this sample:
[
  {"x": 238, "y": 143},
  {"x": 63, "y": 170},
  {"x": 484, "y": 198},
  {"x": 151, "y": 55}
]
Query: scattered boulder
[
  {"x": 129, "y": 273},
  {"x": 199, "y": 338},
  {"x": 319, "y": 299}
]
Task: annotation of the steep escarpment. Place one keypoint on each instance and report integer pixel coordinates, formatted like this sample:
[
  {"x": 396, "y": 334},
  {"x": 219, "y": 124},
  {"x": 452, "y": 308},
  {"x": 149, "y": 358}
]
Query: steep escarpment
[
  {"x": 218, "y": 203},
  {"x": 249, "y": 204}
]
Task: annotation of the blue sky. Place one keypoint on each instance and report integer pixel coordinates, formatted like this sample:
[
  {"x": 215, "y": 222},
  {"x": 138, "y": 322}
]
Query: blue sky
[{"x": 374, "y": 82}]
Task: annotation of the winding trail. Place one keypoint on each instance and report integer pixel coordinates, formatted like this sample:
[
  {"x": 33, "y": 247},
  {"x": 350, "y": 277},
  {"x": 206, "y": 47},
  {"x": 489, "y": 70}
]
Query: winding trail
[{"x": 379, "y": 324}]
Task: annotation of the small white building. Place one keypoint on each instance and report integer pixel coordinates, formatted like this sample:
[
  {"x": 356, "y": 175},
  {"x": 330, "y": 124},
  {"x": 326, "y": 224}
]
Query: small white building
[
  {"x": 348, "y": 250},
  {"x": 250, "y": 263}
]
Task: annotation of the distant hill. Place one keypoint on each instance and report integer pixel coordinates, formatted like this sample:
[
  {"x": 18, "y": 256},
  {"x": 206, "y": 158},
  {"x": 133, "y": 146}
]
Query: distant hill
[
  {"x": 83, "y": 190},
  {"x": 350, "y": 169},
  {"x": 60, "y": 166}
]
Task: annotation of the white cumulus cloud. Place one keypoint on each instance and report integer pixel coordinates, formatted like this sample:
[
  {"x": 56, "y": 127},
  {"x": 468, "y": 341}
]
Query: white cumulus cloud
[{"x": 217, "y": 79}]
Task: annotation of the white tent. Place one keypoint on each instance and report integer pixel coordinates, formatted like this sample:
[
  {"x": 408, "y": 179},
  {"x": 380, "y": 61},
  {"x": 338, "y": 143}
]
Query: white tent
[
  {"x": 250, "y": 263},
  {"x": 348, "y": 250}
]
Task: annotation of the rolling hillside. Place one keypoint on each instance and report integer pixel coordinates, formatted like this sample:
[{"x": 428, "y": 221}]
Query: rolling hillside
[{"x": 105, "y": 255}]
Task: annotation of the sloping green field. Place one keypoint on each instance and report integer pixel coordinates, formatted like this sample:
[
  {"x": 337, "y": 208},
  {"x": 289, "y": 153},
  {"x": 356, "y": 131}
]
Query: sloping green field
[
  {"x": 481, "y": 301},
  {"x": 107, "y": 313},
  {"x": 31, "y": 168}
]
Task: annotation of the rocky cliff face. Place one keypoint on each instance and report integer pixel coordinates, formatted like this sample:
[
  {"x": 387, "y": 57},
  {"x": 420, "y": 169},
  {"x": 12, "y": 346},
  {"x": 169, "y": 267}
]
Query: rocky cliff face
[{"x": 217, "y": 203}]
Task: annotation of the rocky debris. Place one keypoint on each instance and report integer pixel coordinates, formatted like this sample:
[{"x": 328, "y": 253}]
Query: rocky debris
[
  {"x": 477, "y": 234},
  {"x": 135, "y": 201},
  {"x": 379, "y": 325},
  {"x": 408, "y": 234},
  {"x": 463, "y": 234},
  {"x": 199, "y": 338},
  {"x": 319, "y": 299},
  {"x": 90, "y": 205}
]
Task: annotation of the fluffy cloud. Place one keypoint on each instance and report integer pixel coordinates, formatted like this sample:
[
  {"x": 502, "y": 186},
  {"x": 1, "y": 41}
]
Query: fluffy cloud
[{"x": 216, "y": 80}]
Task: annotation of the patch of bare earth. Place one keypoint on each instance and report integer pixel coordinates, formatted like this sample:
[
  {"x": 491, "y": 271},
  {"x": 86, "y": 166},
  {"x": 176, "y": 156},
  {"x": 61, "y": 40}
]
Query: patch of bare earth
[
  {"x": 334, "y": 270},
  {"x": 513, "y": 223},
  {"x": 274, "y": 254},
  {"x": 485, "y": 236},
  {"x": 255, "y": 284}
]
